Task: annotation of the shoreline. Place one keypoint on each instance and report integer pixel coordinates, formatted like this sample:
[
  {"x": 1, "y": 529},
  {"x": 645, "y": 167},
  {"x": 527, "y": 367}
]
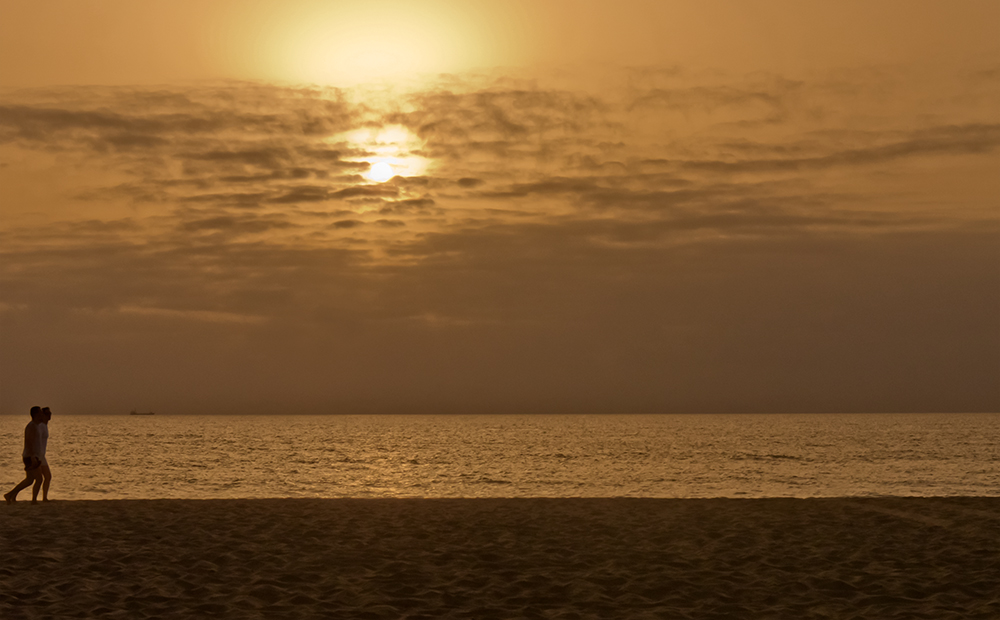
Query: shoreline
[
  {"x": 540, "y": 498},
  {"x": 855, "y": 557}
]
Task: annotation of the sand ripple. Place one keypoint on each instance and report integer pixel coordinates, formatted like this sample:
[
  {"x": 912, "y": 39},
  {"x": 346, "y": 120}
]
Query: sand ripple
[{"x": 569, "y": 559}]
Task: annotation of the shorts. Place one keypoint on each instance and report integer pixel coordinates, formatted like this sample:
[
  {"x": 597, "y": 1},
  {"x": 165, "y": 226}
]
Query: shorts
[{"x": 29, "y": 463}]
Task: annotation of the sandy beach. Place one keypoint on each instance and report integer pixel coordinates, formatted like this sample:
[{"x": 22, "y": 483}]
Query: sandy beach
[{"x": 502, "y": 558}]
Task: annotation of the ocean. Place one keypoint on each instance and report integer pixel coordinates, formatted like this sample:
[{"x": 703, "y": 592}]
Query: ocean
[{"x": 693, "y": 455}]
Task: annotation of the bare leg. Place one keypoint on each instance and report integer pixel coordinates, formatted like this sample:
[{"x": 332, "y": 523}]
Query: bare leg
[
  {"x": 11, "y": 497},
  {"x": 46, "y": 480},
  {"x": 37, "y": 486}
]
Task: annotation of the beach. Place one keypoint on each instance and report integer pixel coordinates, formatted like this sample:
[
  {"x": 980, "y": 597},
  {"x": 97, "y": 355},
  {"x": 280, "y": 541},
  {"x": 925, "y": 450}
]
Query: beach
[{"x": 374, "y": 559}]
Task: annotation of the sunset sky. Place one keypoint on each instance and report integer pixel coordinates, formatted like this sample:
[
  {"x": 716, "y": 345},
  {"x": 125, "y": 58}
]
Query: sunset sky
[{"x": 629, "y": 206}]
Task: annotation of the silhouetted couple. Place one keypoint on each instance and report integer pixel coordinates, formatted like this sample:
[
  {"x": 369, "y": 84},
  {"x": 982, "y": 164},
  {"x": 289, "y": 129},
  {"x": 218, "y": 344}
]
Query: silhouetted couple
[{"x": 36, "y": 468}]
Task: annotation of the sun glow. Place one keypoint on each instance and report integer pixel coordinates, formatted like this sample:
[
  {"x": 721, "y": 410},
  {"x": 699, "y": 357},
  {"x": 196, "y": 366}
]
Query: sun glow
[
  {"x": 390, "y": 151},
  {"x": 380, "y": 172},
  {"x": 348, "y": 44}
]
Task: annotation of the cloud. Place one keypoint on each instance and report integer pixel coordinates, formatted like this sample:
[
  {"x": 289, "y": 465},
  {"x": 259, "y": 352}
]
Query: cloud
[
  {"x": 303, "y": 193},
  {"x": 547, "y": 186},
  {"x": 209, "y": 316},
  {"x": 629, "y": 247},
  {"x": 365, "y": 191},
  {"x": 574, "y": 156},
  {"x": 408, "y": 205},
  {"x": 239, "y": 199},
  {"x": 347, "y": 224},
  {"x": 260, "y": 157},
  {"x": 274, "y": 149},
  {"x": 754, "y": 103},
  {"x": 235, "y": 224},
  {"x": 942, "y": 140}
]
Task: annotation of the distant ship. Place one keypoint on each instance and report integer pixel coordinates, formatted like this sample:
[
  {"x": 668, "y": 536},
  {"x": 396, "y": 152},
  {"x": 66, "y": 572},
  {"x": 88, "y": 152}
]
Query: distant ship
[{"x": 134, "y": 412}]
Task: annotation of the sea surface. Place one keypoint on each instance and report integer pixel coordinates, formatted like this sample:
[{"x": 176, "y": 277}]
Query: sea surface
[{"x": 768, "y": 455}]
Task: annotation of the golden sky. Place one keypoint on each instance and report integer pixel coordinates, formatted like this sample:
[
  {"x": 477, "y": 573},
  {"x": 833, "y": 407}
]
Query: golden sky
[{"x": 499, "y": 206}]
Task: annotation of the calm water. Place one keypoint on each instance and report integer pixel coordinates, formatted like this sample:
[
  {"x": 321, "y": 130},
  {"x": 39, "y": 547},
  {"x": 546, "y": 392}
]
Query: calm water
[{"x": 515, "y": 456}]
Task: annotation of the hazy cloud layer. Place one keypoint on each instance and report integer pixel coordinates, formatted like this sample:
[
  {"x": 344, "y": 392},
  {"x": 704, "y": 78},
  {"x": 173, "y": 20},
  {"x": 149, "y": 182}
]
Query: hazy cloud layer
[{"x": 664, "y": 242}]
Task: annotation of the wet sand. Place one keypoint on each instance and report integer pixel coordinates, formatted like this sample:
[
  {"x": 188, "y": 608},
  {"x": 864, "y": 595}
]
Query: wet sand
[{"x": 728, "y": 559}]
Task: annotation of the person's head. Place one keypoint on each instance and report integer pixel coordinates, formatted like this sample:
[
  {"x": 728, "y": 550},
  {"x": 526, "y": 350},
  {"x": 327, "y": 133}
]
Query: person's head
[
  {"x": 46, "y": 415},
  {"x": 36, "y": 413}
]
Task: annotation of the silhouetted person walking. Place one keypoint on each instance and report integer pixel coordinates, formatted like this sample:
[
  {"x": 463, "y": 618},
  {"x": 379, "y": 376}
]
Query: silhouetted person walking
[{"x": 33, "y": 456}]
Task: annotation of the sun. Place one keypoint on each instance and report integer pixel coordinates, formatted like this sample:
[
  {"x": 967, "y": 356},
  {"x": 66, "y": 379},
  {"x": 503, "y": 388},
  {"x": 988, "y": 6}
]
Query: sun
[
  {"x": 387, "y": 152},
  {"x": 380, "y": 172}
]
